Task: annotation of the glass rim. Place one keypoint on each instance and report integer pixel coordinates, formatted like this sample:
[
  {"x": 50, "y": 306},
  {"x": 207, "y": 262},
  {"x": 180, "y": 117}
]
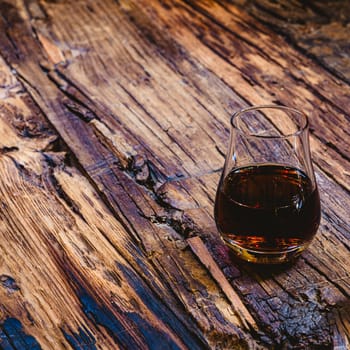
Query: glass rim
[{"x": 300, "y": 128}]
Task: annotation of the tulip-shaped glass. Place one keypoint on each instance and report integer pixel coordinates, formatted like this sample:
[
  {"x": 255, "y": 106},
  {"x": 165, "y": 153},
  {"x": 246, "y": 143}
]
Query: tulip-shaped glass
[{"x": 267, "y": 206}]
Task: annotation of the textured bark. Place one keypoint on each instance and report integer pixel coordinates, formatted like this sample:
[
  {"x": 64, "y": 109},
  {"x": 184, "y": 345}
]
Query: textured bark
[{"x": 114, "y": 124}]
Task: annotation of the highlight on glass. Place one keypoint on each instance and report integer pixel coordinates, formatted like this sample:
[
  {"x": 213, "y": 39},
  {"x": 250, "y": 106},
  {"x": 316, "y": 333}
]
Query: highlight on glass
[{"x": 267, "y": 206}]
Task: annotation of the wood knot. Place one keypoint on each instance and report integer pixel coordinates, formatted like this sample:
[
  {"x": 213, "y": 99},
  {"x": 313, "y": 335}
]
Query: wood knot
[{"x": 9, "y": 283}]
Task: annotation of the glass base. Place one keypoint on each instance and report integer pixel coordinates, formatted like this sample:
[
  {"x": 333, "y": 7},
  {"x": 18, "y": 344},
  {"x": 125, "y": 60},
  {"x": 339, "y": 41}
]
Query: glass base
[{"x": 265, "y": 257}]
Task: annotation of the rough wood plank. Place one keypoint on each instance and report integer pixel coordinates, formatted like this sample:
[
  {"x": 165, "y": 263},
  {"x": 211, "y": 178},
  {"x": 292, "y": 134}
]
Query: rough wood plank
[
  {"x": 204, "y": 256},
  {"x": 215, "y": 319},
  {"x": 142, "y": 101},
  {"x": 62, "y": 273},
  {"x": 318, "y": 28}
]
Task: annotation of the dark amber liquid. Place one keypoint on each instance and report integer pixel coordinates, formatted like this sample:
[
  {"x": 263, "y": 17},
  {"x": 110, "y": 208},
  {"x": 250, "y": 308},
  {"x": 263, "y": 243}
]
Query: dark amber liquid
[{"x": 267, "y": 208}]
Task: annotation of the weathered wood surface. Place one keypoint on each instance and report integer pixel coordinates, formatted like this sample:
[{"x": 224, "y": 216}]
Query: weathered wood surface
[
  {"x": 114, "y": 124},
  {"x": 320, "y": 29}
]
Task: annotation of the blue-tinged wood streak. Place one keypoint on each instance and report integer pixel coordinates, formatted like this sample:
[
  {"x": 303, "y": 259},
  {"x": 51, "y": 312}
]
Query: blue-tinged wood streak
[
  {"x": 81, "y": 340},
  {"x": 12, "y": 336}
]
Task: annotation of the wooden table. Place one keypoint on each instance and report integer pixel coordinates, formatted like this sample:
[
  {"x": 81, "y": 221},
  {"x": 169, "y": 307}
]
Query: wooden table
[{"x": 114, "y": 125}]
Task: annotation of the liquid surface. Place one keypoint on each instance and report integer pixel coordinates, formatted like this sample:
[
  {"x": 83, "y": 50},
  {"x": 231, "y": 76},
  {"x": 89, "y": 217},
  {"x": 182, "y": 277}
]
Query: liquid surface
[{"x": 267, "y": 208}]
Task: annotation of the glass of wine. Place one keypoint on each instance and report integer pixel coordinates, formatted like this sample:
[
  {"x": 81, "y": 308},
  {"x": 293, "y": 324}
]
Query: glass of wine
[{"x": 267, "y": 206}]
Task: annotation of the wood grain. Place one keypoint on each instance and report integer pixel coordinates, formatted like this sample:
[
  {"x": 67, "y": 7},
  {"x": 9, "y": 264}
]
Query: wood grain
[
  {"x": 319, "y": 28},
  {"x": 114, "y": 125}
]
